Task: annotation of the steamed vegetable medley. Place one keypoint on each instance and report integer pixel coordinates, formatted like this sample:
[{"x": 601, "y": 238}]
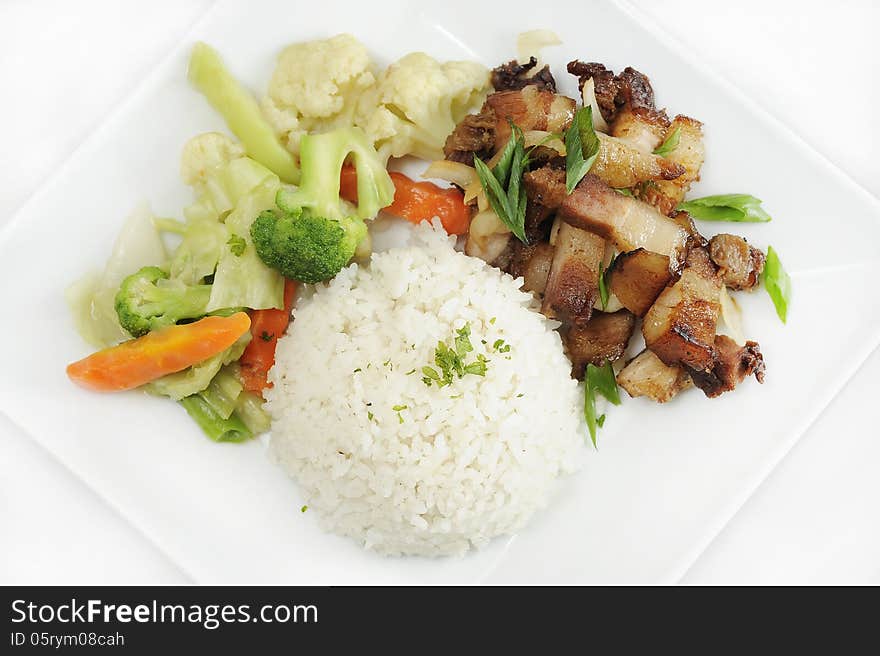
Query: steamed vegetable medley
[
  {"x": 285, "y": 201},
  {"x": 583, "y": 199}
]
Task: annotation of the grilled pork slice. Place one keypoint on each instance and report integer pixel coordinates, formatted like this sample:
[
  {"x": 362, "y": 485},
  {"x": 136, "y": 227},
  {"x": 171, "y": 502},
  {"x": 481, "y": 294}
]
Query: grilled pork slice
[
  {"x": 621, "y": 165},
  {"x": 680, "y": 326},
  {"x": 474, "y": 135},
  {"x": 739, "y": 263},
  {"x": 626, "y": 222},
  {"x": 546, "y": 186},
  {"x": 545, "y": 190},
  {"x": 531, "y": 109},
  {"x": 636, "y": 278},
  {"x": 640, "y": 127},
  {"x": 604, "y": 337},
  {"x": 629, "y": 89},
  {"x": 647, "y": 375},
  {"x": 513, "y": 75},
  {"x": 531, "y": 262},
  {"x": 665, "y": 195},
  {"x": 732, "y": 364},
  {"x": 573, "y": 284}
]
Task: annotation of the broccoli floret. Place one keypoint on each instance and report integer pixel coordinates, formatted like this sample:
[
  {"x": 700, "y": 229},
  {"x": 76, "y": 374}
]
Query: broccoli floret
[
  {"x": 306, "y": 247},
  {"x": 314, "y": 234},
  {"x": 147, "y": 300}
]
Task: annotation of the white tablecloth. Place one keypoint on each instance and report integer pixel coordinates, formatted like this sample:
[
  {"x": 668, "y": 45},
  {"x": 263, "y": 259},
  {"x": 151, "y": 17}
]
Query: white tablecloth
[{"x": 65, "y": 66}]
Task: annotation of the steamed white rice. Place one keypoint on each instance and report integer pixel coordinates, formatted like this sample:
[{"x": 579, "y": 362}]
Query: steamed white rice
[{"x": 462, "y": 463}]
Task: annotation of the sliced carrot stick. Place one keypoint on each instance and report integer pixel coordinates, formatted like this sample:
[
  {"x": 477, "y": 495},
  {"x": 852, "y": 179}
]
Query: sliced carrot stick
[
  {"x": 417, "y": 201},
  {"x": 138, "y": 361},
  {"x": 266, "y": 327}
]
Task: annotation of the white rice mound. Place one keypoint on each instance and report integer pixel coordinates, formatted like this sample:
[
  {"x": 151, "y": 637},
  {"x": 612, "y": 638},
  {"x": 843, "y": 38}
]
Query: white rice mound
[{"x": 460, "y": 464}]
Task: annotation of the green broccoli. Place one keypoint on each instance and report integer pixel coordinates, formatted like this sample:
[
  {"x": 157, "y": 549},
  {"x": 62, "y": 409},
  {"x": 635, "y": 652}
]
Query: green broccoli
[
  {"x": 313, "y": 234},
  {"x": 147, "y": 300}
]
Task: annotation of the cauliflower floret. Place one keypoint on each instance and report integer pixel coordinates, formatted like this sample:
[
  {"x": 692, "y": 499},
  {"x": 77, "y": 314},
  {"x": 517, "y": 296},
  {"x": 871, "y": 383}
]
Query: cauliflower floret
[
  {"x": 417, "y": 102},
  {"x": 204, "y": 153},
  {"x": 315, "y": 87}
]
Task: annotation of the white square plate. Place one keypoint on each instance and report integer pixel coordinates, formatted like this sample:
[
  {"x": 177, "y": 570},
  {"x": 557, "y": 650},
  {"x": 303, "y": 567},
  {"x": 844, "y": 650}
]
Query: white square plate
[{"x": 666, "y": 478}]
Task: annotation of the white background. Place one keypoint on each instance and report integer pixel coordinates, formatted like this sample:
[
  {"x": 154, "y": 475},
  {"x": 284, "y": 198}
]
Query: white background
[{"x": 65, "y": 66}]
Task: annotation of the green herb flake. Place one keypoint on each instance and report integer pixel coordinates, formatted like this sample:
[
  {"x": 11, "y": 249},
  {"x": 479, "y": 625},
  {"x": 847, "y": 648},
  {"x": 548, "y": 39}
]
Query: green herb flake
[
  {"x": 463, "y": 344},
  {"x": 398, "y": 408},
  {"x": 237, "y": 245},
  {"x": 670, "y": 143},
  {"x": 600, "y": 420},
  {"x": 581, "y": 147},
  {"x": 777, "y": 283},
  {"x": 739, "y": 208},
  {"x": 357, "y": 370},
  {"x": 399, "y": 418},
  {"x": 520, "y": 395},
  {"x": 503, "y": 186},
  {"x": 370, "y": 415},
  {"x": 500, "y": 346},
  {"x": 492, "y": 320},
  {"x": 477, "y": 368},
  {"x": 451, "y": 360},
  {"x": 410, "y": 372},
  {"x": 303, "y": 509},
  {"x": 623, "y": 191},
  {"x": 266, "y": 336}
]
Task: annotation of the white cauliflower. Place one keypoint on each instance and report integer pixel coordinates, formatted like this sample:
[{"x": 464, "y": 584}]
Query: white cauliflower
[
  {"x": 204, "y": 153},
  {"x": 416, "y": 103},
  {"x": 316, "y": 86}
]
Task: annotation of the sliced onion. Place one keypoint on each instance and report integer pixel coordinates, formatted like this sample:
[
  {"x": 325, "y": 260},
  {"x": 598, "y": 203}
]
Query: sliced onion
[
  {"x": 530, "y": 44},
  {"x": 485, "y": 224},
  {"x": 455, "y": 172},
  {"x": 542, "y": 138},
  {"x": 554, "y": 230},
  {"x": 588, "y": 93},
  {"x": 731, "y": 315}
]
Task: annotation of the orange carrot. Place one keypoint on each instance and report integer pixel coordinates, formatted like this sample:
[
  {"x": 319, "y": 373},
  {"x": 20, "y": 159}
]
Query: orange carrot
[
  {"x": 138, "y": 361},
  {"x": 266, "y": 327},
  {"x": 417, "y": 201}
]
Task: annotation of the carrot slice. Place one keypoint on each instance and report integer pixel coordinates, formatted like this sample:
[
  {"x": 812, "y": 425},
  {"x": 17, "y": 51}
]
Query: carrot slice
[
  {"x": 138, "y": 361},
  {"x": 417, "y": 201},
  {"x": 266, "y": 327}
]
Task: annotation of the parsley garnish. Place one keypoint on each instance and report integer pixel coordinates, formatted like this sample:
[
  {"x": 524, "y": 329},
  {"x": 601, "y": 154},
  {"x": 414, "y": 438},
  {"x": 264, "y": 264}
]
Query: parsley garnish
[
  {"x": 581, "y": 147},
  {"x": 623, "y": 191},
  {"x": 398, "y": 408},
  {"x": 503, "y": 183},
  {"x": 267, "y": 337},
  {"x": 450, "y": 361},
  {"x": 237, "y": 245},
  {"x": 303, "y": 509},
  {"x": 669, "y": 144},
  {"x": 500, "y": 346}
]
